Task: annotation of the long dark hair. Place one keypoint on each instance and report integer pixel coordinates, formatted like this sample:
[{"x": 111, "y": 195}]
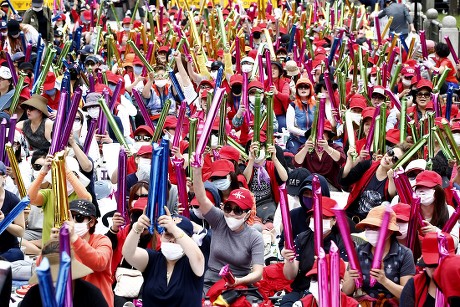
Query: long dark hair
[
  {"x": 440, "y": 212},
  {"x": 132, "y": 192}
]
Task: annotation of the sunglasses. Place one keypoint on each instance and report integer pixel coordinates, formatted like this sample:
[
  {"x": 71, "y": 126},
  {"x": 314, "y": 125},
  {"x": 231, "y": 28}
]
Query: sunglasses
[
  {"x": 137, "y": 196},
  {"x": 144, "y": 138},
  {"x": 424, "y": 94},
  {"x": 236, "y": 209},
  {"x": 77, "y": 119},
  {"x": 303, "y": 87},
  {"x": 79, "y": 218},
  {"x": 37, "y": 166},
  {"x": 27, "y": 107},
  {"x": 391, "y": 154}
]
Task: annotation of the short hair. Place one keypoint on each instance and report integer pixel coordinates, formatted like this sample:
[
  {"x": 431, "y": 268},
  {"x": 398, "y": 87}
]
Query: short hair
[
  {"x": 39, "y": 153},
  {"x": 442, "y": 50}
]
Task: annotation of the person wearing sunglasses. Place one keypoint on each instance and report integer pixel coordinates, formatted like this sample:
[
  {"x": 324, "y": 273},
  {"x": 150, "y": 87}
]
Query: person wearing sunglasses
[
  {"x": 142, "y": 136},
  {"x": 37, "y": 127},
  {"x": 93, "y": 250},
  {"x": 422, "y": 99},
  {"x": 370, "y": 182},
  {"x": 118, "y": 234},
  {"x": 233, "y": 242},
  {"x": 300, "y": 114},
  {"x": 397, "y": 262},
  {"x": 434, "y": 210}
]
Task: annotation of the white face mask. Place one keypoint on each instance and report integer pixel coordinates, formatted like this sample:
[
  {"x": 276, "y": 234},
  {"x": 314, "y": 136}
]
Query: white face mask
[
  {"x": 37, "y": 9},
  {"x": 406, "y": 83},
  {"x": 234, "y": 223},
  {"x": 214, "y": 141},
  {"x": 314, "y": 290},
  {"x": 214, "y": 74},
  {"x": 403, "y": 230},
  {"x": 143, "y": 169},
  {"x": 356, "y": 118},
  {"x": 372, "y": 236},
  {"x": 457, "y": 138},
  {"x": 137, "y": 70},
  {"x": 252, "y": 100},
  {"x": 81, "y": 229},
  {"x": 93, "y": 112},
  {"x": 222, "y": 184},
  {"x": 198, "y": 213},
  {"x": 261, "y": 156},
  {"x": 76, "y": 126},
  {"x": 171, "y": 251},
  {"x": 326, "y": 225},
  {"x": 426, "y": 196},
  {"x": 372, "y": 80},
  {"x": 246, "y": 68},
  {"x": 138, "y": 145},
  {"x": 161, "y": 83},
  {"x": 126, "y": 28}
]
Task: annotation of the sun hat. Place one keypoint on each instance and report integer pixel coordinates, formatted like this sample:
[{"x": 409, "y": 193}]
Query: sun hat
[
  {"x": 291, "y": 68},
  {"x": 375, "y": 217},
  {"x": 92, "y": 100},
  {"x": 78, "y": 269},
  {"x": 5, "y": 73},
  {"x": 38, "y": 102}
]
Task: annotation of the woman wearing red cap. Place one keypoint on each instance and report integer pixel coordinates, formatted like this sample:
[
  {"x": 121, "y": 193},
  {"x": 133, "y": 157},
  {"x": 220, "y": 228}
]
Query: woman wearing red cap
[
  {"x": 300, "y": 114},
  {"x": 435, "y": 211},
  {"x": 297, "y": 263},
  {"x": 421, "y": 289},
  {"x": 447, "y": 276},
  {"x": 325, "y": 158},
  {"x": 233, "y": 242}
]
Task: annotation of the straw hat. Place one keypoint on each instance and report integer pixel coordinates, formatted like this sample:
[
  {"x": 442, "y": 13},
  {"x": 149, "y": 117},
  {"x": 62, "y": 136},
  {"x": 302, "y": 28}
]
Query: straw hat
[
  {"x": 375, "y": 217},
  {"x": 78, "y": 269},
  {"x": 38, "y": 102}
]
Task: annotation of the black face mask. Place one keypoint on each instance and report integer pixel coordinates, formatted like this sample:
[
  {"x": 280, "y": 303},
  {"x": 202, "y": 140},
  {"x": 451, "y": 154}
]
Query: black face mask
[
  {"x": 236, "y": 89},
  {"x": 256, "y": 35}
]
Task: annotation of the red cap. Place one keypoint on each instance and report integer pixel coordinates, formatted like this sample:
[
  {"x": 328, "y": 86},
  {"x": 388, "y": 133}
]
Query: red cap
[
  {"x": 320, "y": 50},
  {"x": 430, "y": 247},
  {"x": 424, "y": 83},
  {"x": 49, "y": 81},
  {"x": 402, "y": 211},
  {"x": 204, "y": 94},
  {"x": 113, "y": 78},
  {"x": 144, "y": 128},
  {"x": 25, "y": 93},
  {"x": 170, "y": 122},
  {"x": 256, "y": 29},
  {"x": 328, "y": 126},
  {"x": 242, "y": 198},
  {"x": 229, "y": 153},
  {"x": 327, "y": 205},
  {"x": 392, "y": 136},
  {"x": 87, "y": 15},
  {"x": 145, "y": 149},
  {"x": 163, "y": 49},
  {"x": 408, "y": 71},
  {"x": 209, "y": 82},
  {"x": 447, "y": 272},
  {"x": 252, "y": 54},
  {"x": 99, "y": 88},
  {"x": 137, "y": 61},
  {"x": 428, "y": 179},
  {"x": 455, "y": 126},
  {"x": 256, "y": 84},
  {"x": 236, "y": 79},
  {"x": 358, "y": 101},
  {"x": 137, "y": 24},
  {"x": 314, "y": 269},
  {"x": 126, "y": 20},
  {"x": 283, "y": 30},
  {"x": 139, "y": 204},
  {"x": 220, "y": 53},
  {"x": 222, "y": 168},
  {"x": 368, "y": 112}
]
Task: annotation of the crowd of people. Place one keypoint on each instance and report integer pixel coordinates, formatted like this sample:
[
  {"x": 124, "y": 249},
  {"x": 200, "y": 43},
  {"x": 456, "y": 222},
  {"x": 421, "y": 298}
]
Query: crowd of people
[{"x": 285, "y": 98}]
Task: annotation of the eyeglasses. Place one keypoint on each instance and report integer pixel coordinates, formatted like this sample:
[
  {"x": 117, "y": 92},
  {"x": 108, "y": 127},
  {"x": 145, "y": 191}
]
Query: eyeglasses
[
  {"x": 236, "y": 209},
  {"x": 79, "y": 218},
  {"x": 391, "y": 154},
  {"x": 144, "y": 138},
  {"x": 37, "y": 166},
  {"x": 205, "y": 87},
  {"x": 137, "y": 196},
  {"x": 424, "y": 94}
]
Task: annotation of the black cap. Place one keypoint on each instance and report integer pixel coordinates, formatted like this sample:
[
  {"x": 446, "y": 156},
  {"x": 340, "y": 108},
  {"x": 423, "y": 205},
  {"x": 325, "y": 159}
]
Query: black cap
[
  {"x": 278, "y": 64},
  {"x": 296, "y": 179},
  {"x": 88, "y": 49},
  {"x": 13, "y": 27},
  {"x": 183, "y": 223},
  {"x": 216, "y": 65},
  {"x": 26, "y": 66},
  {"x": 83, "y": 207}
]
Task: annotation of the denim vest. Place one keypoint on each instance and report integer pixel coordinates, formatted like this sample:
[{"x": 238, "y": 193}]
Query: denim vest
[{"x": 304, "y": 118}]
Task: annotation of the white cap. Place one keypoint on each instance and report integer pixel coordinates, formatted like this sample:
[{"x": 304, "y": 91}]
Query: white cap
[
  {"x": 419, "y": 164},
  {"x": 247, "y": 59},
  {"x": 5, "y": 72}
]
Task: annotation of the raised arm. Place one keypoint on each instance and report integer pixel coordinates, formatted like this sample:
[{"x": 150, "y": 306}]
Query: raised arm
[{"x": 200, "y": 192}]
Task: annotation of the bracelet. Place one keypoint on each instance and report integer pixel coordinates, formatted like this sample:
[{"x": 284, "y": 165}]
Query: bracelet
[
  {"x": 180, "y": 236},
  {"x": 136, "y": 230},
  {"x": 113, "y": 231}
]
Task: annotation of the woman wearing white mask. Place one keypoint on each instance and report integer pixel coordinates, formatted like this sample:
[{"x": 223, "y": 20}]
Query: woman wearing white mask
[
  {"x": 435, "y": 211},
  {"x": 91, "y": 249},
  {"x": 157, "y": 91},
  {"x": 397, "y": 261},
  {"x": 402, "y": 212},
  {"x": 264, "y": 177},
  {"x": 297, "y": 263},
  {"x": 173, "y": 276},
  {"x": 223, "y": 177},
  {"x": 233, "y": 242}
]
